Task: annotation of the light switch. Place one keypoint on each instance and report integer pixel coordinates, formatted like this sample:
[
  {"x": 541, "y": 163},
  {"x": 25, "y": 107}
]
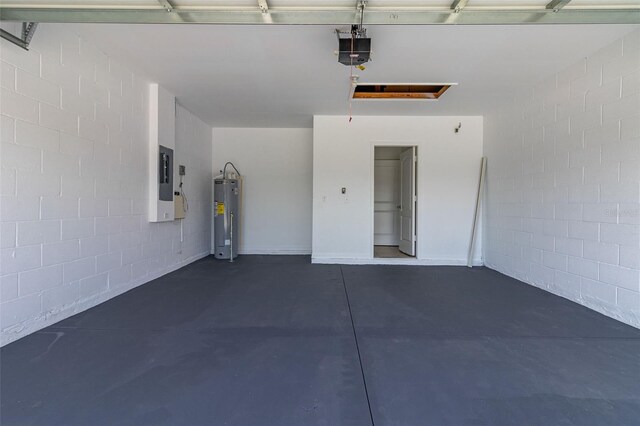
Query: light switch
[{"x": 344, "y": 190}]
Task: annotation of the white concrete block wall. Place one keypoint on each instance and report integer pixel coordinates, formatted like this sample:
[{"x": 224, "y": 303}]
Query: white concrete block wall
[
  {"x": 74, "y": 140},
  {"x": 563, "y": 193}
]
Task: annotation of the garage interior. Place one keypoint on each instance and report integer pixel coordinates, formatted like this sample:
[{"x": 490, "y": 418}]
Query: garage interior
[{"x": 286, "y": 212}]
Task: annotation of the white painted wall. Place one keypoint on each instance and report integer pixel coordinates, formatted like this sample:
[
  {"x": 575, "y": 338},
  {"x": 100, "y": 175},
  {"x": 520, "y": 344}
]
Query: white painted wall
[
  {"x": 276, "y": 165},
  {"x": 162, "y": 132},
  {"x": 564, "y": 183},
  {"x": 74, "y": 141},
  {"x": 448, "y": 171}
]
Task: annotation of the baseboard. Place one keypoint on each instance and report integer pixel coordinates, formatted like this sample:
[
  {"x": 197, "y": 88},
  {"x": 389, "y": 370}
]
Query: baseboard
[
  {"x": 22, "y": 330},
  {"x": 285, "y": 251},
  {"x": 392, "y": 261}
]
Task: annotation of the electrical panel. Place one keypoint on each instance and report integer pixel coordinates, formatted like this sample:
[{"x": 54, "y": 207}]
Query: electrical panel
[{"x": 165, "y": 174}]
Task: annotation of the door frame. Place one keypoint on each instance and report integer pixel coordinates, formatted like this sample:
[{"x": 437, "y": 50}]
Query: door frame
[{"x": 392, "y": 144}]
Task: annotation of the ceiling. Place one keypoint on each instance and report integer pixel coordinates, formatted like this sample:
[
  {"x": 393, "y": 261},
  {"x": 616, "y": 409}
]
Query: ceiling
[{"x": 280, "y": 76}]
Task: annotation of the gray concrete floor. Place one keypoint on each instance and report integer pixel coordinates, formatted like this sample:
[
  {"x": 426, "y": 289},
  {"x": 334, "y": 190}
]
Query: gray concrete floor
[{"x": 278, "y": 341}]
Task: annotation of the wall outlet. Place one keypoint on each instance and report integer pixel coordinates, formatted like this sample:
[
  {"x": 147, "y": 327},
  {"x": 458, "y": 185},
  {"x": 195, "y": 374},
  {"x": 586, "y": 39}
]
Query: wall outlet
[{"x": 182, "y": 170}]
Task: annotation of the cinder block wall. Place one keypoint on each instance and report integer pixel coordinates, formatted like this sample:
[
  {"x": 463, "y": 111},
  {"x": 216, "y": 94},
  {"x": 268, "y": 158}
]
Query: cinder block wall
[
  {"x": 74, "y": 138},
  {"x": 563, "y": 193}
]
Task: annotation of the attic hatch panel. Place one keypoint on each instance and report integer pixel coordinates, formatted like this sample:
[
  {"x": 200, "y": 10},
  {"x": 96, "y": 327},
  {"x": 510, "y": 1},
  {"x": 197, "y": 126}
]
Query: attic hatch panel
[{"x": 431, "y": 91}]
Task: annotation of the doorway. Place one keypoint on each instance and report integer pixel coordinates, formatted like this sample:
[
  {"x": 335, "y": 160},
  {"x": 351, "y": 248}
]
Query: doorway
[{"x": 394, "y": 213}]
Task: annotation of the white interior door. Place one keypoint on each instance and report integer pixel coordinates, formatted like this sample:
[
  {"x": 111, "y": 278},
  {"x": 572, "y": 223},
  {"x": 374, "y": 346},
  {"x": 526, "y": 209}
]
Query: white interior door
[
  {"x": 408, "y": 201},
  {"x": 386, "y": 198}
]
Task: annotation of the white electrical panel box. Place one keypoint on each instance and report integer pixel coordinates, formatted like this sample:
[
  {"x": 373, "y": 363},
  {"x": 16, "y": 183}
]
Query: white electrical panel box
[{"x": 162, "y": 142}]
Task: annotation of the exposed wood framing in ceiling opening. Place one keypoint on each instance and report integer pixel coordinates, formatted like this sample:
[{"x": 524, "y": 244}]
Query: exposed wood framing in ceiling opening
[{"x": 427, "y": 91}]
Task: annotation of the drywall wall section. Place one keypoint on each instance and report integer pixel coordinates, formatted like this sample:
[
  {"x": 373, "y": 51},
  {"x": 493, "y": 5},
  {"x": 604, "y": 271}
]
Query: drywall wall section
[
  {"x": 563, "y": 183},
  {"x": 74, "y": 183},
  {"x": 448, "y": 171},
  {"x": 276, "y": 202}
]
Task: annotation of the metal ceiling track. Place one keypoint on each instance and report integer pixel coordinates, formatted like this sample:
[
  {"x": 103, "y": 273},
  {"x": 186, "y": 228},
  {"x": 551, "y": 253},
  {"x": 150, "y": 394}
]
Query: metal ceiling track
[
  {"x": 28, "y": 29},
  {"x": 464, "y": 13}
]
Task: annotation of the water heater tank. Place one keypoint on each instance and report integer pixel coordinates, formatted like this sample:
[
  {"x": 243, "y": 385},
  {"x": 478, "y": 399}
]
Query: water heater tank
[{"x": 226, "y": 214}]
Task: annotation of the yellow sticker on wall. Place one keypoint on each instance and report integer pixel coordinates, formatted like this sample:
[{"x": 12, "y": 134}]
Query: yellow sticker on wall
[{"x": 220, "y": 208}]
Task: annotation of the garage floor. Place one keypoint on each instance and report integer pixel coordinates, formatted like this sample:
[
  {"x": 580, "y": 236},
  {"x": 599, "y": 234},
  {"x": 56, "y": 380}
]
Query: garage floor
[{"x": 270, "y": 341}]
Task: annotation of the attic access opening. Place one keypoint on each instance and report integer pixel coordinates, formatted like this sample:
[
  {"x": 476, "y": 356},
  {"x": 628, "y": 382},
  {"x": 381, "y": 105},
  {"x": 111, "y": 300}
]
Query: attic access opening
[{"x": 431, "y": 91}]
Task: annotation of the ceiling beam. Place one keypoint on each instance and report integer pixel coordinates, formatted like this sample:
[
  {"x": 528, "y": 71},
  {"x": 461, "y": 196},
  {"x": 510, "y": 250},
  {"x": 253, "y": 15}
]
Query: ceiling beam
[
  {"x": 556, "y": 5},
  {"x": 425, "y": 15}
]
